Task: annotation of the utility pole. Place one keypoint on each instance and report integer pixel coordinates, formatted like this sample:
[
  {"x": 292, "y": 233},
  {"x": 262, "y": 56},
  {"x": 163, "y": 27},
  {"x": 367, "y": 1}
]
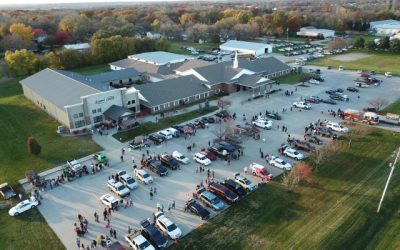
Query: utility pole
[{"x": 388, "y": 180}]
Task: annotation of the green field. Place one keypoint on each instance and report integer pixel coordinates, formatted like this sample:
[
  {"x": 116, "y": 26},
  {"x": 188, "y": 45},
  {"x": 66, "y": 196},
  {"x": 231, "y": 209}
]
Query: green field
[
  {"x": 176, "y": 47},
  {"x": 336, "y": 211},
  {"x": 150, "y": 127},
  {"x": 380, "y": 62},
  {"x": 19, "y": 120},
  {"x": 94, "y": 69},
  {"x": 393, "y": 108},
  {"x": 292, "y": 78}
]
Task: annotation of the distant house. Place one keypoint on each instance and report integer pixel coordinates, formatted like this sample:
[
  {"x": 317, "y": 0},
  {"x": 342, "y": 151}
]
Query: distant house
[
  {"x": 78, "y": 46},
  {"x": 314, "y": 32},
  {"x": 255, "y": 49},
  {"x": 385, "y": 27},
  {"x": 153, "y": 35}
]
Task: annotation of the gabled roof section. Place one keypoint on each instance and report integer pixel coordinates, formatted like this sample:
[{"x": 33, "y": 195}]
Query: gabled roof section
[
  {"x": 116, "y": 75},
  {"x": 146, "y": 67},
  {"x": 252, "y": 81},
  {"x": 193, "y": 64},
  {"x": 218, "y": 73},
  {"x": 58, "y": 88},
  {"x": 266, "y": 65}
]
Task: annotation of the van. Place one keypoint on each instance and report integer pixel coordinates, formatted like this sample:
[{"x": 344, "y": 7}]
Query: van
[{"x": 167, "y": 134}]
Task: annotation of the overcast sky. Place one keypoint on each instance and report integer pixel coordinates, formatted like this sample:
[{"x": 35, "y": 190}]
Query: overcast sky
[{"x": 8, "y": 2}]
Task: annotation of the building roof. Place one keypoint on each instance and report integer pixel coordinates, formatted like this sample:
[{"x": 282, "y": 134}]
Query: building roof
[
  {"x": 146, "y": 67},
  {"x": 218, "y": 73},
  {"x": 57, "y": 88},
  {"x": 116, "y": 75},
  {"x": 159, "y": 57},
  {"x": 266, "y": 65},
  {"x": 192, "y": 64},
  {"x": 117, "y": 112},
  {"x": 157, "y": 93},
  {"x": 244, "y": 45},
  {"x": 384, "y": 22},
  {"x": 77, "y": 46},
  {"x": 252, "y": 81}
]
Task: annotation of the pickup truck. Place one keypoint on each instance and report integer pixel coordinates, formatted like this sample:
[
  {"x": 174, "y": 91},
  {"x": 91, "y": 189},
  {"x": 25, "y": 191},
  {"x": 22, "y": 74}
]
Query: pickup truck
[
  {"x": 260, "y": 171},
  {"x": 74, "y": 165},
  {"x": 137, "y": 241},
  {"x": 118, "y": 188},
  {"x": 6, "y": 191}
]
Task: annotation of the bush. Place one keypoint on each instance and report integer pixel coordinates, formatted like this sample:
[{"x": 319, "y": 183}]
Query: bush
[{"x": 33, "y": 146}]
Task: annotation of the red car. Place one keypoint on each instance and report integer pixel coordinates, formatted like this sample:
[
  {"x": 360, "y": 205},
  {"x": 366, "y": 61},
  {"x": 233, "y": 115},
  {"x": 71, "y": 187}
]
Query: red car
[
  {"x": 210, "y": 155},
  {"x": 223, "y": 192},
  {"x": 312, "y": 100}
]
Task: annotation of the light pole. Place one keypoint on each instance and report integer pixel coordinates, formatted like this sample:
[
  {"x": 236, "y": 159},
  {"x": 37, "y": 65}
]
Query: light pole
[{"x": 388, "y": 180}]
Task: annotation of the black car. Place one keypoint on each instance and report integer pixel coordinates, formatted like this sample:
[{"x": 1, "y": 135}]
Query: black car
[
  {"x": 274, "y": 116},
  {"x": 199, "y": 124},
  {"x": 152, "y": 234},
  {"x": 337, "y": 97},
  {"x": 228, "y": 147},
  {"x": 235, "y": 187},
  {"x": 222, "y": 114},
  {"x": 180, "y": 128},
  {"x": 313, "y": 139},
  {"x": 330, "y": 92},
  {"x": 157, "y": 167},
  {"x": 318, "y": 78},
  {"x": 352, "y": 89},
  {"x": 198, "y": 209},
  {"x": 217, "y": 150},
  {"x": 156, "y": 138},
  {"x": 328, "y": 101},
  {"x": 169, "y": 162},
  {"x": 208, "y": 119},
  {"x": 340, "y": 90},
  {"x": 324, "y": 132}
]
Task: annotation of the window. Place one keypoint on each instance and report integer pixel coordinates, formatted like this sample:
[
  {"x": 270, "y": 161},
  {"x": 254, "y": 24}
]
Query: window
[
  {"x": 93, "y": 111},
  {"x": 75, "y": 116},
  {"x": 206, "y": 94},
  {"x": 79, "y": 123},
  {"x": 129, "y": 102},
  {"x": 98, "y": 110},
  {"x": 197, "y": 97},
  {"x": 80, "y": 114},
  {"x": 186, "y": 99},
  {"x": 176, "y": 103},
  {"x": 156, "y": 108},
  {"x": 120, "y": 81},
  {"x": 98, "y": 118},
  {"x": 166, "y": 105},
  {"x": 133, "y": 101}
]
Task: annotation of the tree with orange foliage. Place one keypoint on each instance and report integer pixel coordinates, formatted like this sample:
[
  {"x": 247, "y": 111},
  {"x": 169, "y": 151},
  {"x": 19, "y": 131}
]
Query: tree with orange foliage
[{"x": 301, "y": 172}]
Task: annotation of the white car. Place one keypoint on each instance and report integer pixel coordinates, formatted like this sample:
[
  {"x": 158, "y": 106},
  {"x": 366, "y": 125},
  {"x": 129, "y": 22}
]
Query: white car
[
  {"x": 263, "y": 123},
  {"x": 279, "y": 163},
  {"x": 128, "y": 181},
  {"x": 118, "y": 188},
  {"x": 109, "y": 200},
  {"x": 301, "y": 105},
  {"x": 388, "y": 74},
  {"x": 136, "y": 240},
  {"x": 313, "y": 81},
  {"x": 244, "y": 182},
  {"x": 202, "y": 159},
  {"x": 167, "y": 226},
  {"x": 180, "y": 157},
  {"x": 337, "y": 127},
  {"x": 293, "y": 153},
  {"x": 23, "y": 206},
  {"x": 143, "y": 176},
  {"x": 167, "y": 134},
  {"x": 340, "y": 68}
]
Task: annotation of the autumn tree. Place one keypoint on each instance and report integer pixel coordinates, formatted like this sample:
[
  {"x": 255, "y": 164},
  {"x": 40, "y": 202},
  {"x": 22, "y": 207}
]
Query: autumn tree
[
  {"x": 223, "y": 102},
  {"x": 61, "y": 37},
  {"x": 337, "y": 44},
  {"x": 15, "y": 42},
  {"x": 33, "y": 146},
  {"x": 24, "y": 31},
  {"x": 378, "y": 103},
  {"x": 300, "y": 173},
  {"x": 67, "y": 24},
  {"x": 370, "y": 45},
  {"x": 171, "y": 30},
  {"x": 21, "y": 62},
  {"x": 395, "y": 45},
  {"x": 244, "y": 16},
  {"x": 162, "y": 44}
]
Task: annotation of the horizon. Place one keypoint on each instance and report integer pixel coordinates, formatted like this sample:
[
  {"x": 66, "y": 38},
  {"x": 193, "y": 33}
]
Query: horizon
[{"x": 42, "y": 2}]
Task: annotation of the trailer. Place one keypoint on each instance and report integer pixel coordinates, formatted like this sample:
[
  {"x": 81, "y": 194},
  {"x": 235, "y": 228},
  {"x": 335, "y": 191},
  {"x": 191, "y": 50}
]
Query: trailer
[
  {"x": 370, "y": 118},
  {"x": 390, "y": 118}
]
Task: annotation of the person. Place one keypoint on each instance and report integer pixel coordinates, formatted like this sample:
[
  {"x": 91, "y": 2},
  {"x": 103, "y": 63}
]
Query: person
[
  {"x": 151, "y": 195},
  {"x": 78, "y": 241},
  {"x": 96, "y": 217},
  {"x": 155, "y": 190},
  {"x": 245, "y": 170},
  {"x": 115, "y": 233},
  {"x": 173, "y": 204},
  {"x": 129, "y": 229},
  {"x": 94, "y": 244},
  {"x": 133, "y": 159},
  {"x": 122, "y": 158}
]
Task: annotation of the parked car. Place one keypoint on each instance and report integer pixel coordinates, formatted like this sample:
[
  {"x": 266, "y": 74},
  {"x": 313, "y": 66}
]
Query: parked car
[
  {"x": 218, "y": 150},
  {"x": 352, "y": 89},
  {"x": 202, "y": 159},
  {"x": 274, "y": 116},
  {"x": 301, "y": 105},
  {"x": 312, "y": 100},
  {"x": 169, "y": 162},
  {"x": 262, "y": 123},
  {"x": 167, "y": 226},
  {"x": 325, "y": 132},
  {"x": 143, "y": 176},
  {"x": 209, "y": 154},
  {"x": 313, "y": 139},
  {"x": 293, "y": 153},
  {"x": 210, "y": 200},
  {"x": 128, "y": 181},
  {"x": 7, "y": 191},
  {"x": 329, "y": 101},
  {"x": 180, "y": 157},
  {"x": 223, "y": 192},
  {"x": 235, "y": 187},
  {"x": 337, "y": 127},
  {"x": 260, "y": 171},
  {"x": 228, "y": 147},
  {"x": 279, "y": 163},
  {"x": 156, "y": 138},
  {"x": 244, "y": 182},
  {"x": 313, "y": 81},
  {"x": 156, "y": 167},
  {"x": 166, "y": 134},
  {"x": 388, "y": 74},
  {"x": 198, "y": 209},
  {"x": 118, "y": 188},
  {"x": 338, "y": 97},
  {"x": 137, "y": 241},
  {"x": 109, "y": 200},
  {"x": 151, "y": 233},
  {"x": 23, "y": 206}
]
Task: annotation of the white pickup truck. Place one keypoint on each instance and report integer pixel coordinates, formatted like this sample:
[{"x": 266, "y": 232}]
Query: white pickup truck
[
  {"x": 136, "y": 240},
  {"x": 74, "y": 165},
  {"x": 118, "y": 188}
]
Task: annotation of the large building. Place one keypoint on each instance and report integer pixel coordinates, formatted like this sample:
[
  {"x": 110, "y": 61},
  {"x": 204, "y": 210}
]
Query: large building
[
  {"x": 385, "y": 27},
  {"x": 256, "y": 49},
  {"x": 314, "y": 32}
]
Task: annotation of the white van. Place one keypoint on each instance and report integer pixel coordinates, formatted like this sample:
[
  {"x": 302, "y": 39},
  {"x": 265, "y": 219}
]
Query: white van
[{"x": 167, "y": 134}]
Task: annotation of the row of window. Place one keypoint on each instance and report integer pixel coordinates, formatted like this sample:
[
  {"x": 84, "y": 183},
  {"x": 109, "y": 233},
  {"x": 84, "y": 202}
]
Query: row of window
[
  {"x": 94, "y": 111},
  {"x": 177, "y": 102},
  {"x": 78, "y": 115},
  {"x": 80, "y": 123},
  {"x": 131, "y": 102}
]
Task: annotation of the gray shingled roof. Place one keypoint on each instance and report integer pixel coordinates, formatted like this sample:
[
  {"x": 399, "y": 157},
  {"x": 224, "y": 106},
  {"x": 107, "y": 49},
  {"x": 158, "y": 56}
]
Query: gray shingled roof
[
  {"x": 117, "y": 112},
  {"x": 57, "y": 88},
  {"x": 157, "y": 93},
  {"x": 147, "y": 67},
  {"x": 267, "y": 65},
  {"x": 252, "y": 81},
  {"x": 116, "y": 75},
  {"x": 218, "y": 73},
  {"x": 193, "y": 64}
]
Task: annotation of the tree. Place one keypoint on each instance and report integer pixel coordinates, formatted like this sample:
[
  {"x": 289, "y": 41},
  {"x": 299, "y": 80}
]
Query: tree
[
  {"x": 61, "y": 37},
  {"x": 15, "y": 42},
  {"x": 67, "y": 24},
  {"x": 370, "y": 45},
  {"x": 395, "y": 45},
  {"x": 318, "y": 157},
  {"x": 378, "y": 103},
  {"x": 21, "y": 62},
  {"x": 301, "y": 172},
  {"x": 359, "y": 43},
  {"x": 155, "y": 25},
  {"x": 246, "y": 31},
  {"x": 293, "y": 24},
  {"x": 243, "y": 16},
  {"x": 33, "y": 146},
  {"x": 171, "y": 30},
  {"x": 25, "y": 32},
  {"x": 70, "y": 59},
  {"x": 223, "y": 102},
  {"x": 384, "y": 42},
  {"x": 38, "y": 32},
  {"x": 337, "y": 44},
  {"x": 162, "y": 44}
]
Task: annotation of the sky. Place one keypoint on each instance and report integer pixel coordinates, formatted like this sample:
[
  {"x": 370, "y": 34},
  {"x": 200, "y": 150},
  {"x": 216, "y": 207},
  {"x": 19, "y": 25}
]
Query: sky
[{"x": 22, "y": 2}]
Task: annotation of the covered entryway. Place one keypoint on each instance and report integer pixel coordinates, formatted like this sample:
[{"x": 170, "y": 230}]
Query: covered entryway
[
  {"x": 122, "y": 116},
  {"x": 259, "y": 85}
]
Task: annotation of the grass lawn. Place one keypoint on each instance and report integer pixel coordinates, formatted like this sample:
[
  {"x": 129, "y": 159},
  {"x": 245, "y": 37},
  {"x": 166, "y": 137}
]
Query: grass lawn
[
  {"x": 291, "y": 78},
  {"x": 392, "y": 108},
  {"x": 378, "y": 61},
  {"x": 150, "y": 127},
  {"x": 176, "y": 47},
  {"x": 19, "y": 120},
  {"x": 336, "y": 211},
  {"x": 94, "y": 69}
]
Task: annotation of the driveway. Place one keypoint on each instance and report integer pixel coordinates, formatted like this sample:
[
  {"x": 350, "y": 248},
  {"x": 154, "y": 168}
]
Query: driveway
[{"x": 62, "y": 204}]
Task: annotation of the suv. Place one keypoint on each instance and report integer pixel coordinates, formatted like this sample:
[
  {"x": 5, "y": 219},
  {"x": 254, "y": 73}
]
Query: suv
[
  {"x": 128, "y": 181},
  {"x": 235, "y": 187},
  {"x": 136, "y": 240},
  {"x": 325, "y": 132},
  {"x": 337, "y": 127},
  {"x": 157, "y": 168},
  {"x": 210, "y": 200},
  {"x": 262, "y": 123},
  {"x": 202, "y": 159},
  {"x": 223, "y": 192},
  {"x": 218, "y": 150},
  {"x": 198, "y": 209},
  {"x": 169, "y": 162},
  {"x": 293, "y": 153},
  {"x": 167, "y": 226},
  {"x": 313, "y": 139},
  {"x": 150, "y": 232},
  {"x": 244, "y": 182},
  {"x": 157, "y": 138},
  {"x": 143, "y": 176},
  {"x": 118, "y": 188}
]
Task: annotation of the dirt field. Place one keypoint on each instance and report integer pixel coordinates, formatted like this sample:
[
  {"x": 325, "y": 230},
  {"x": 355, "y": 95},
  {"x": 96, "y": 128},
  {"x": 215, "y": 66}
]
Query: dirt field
[{"x": 350, "y": 57}]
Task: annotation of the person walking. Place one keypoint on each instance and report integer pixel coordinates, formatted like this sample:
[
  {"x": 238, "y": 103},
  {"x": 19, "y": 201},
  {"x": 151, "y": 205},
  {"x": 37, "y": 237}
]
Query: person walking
[
  {"x": 96, "y": 217},
  {"x": 155, "y": 190},
  {"x": 115, "y": 233},
  {"x": 105, "y": 214},
  {"x": 78, "y": 242},
  {"x": 94, "y": 244},
  {"x": 109, "y": 212},
  {"x": 111, "y": 232},
  {"x": 122, "y": 158},
  {"x": 158, "y": 206},
  {"x": 173, "y": 204},
  {"x": 133, "y": 159},
  {"x": 151, "y": 195}
]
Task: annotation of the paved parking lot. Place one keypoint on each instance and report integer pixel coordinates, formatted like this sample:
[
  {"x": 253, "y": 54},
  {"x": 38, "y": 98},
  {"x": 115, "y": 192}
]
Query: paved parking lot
[{"x": 61, "y": 205}]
